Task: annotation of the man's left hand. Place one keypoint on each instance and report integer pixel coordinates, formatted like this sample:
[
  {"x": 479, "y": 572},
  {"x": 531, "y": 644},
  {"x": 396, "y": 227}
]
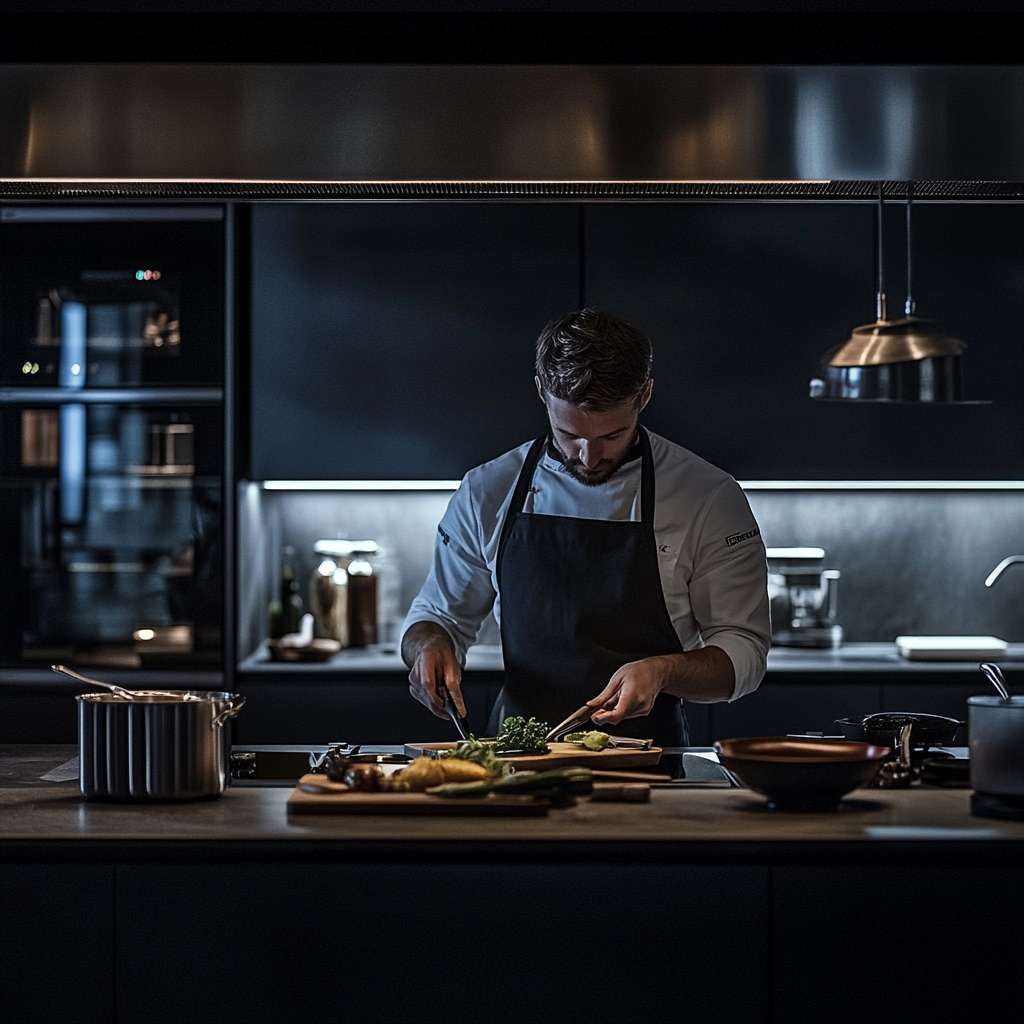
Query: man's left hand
[{"x": 631, "y": 692}]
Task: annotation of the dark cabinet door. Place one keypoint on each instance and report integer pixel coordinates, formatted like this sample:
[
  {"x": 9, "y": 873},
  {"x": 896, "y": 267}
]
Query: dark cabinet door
[
  {"x": 395, "y": 341},
  {"x": 777, "y": 708},
  {"x": 741, "y": 300}
]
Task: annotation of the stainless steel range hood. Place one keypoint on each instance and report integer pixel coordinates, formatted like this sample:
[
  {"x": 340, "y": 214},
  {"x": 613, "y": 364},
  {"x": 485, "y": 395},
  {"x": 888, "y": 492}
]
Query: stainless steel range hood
[{"x": 377, "y": 131}]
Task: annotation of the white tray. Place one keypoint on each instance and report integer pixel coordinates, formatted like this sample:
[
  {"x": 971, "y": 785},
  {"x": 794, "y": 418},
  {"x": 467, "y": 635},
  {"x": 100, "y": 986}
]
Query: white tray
[{"x": 951, "y": 648}]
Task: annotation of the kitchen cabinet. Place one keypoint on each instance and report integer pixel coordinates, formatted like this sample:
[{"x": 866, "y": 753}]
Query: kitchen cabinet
[
  {"x": 57, "y": 943},
  {"x": 376, "y": 708},
  {"x": 741, "y": 300},
  {"x": 919, "y": 942},
  {"x": 396, "y": 341},
  {"x": 777, "y": 708},
  {"x": 408, "y": 942}
]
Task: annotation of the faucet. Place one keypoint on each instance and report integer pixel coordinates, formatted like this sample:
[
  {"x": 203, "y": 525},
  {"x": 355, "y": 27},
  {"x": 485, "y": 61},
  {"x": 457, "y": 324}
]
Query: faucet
[{"x": 1002, "y": 567}]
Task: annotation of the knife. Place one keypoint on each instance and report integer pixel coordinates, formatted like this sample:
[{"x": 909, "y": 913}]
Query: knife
[
  {"x": 578, "y": 717},
  {"x": 458, "y": 721}
]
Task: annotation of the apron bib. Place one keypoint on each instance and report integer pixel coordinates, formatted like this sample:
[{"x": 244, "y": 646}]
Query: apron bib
[{"x": 579, "y": 599}]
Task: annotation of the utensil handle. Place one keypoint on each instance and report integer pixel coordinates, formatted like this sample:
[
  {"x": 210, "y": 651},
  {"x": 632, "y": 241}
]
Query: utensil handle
[
  {"x": 234, "y": 706},
  {"x": 994, "y": 674},
  {"x": 120, "y": 691}
]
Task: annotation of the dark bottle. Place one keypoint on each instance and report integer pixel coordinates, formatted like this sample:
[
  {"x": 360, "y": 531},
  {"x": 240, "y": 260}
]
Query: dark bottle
[
  {"x": 291, "y": 599},
  {"x": 362, "y": 603}
]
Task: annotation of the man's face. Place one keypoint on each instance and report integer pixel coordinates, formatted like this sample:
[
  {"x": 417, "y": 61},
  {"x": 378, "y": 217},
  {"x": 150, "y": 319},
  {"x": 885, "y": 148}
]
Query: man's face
[{"x": 593, "y": 444}]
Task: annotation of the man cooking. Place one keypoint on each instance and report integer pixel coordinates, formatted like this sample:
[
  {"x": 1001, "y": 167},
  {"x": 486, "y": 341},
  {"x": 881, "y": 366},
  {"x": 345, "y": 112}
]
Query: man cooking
[{"x": 624, "y": 571}]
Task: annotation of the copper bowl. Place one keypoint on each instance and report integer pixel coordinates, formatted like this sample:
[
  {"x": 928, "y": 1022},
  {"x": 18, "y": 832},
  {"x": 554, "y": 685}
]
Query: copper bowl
[{"x": 801, "y": 775}]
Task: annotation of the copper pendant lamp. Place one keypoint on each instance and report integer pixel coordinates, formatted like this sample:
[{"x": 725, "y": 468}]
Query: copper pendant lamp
[{"x": 909, "y": 359}]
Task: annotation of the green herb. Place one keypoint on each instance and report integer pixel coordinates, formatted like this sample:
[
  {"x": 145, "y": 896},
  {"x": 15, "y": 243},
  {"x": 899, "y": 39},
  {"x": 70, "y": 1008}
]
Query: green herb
[
  {"x": 478, "y": 751},
  {"x": 526, "y": 734}
]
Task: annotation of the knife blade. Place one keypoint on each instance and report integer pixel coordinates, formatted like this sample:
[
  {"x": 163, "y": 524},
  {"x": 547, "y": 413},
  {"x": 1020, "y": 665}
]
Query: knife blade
[
  {"x": 578, "y": 717},
  {"x": 457, "y": 720}
]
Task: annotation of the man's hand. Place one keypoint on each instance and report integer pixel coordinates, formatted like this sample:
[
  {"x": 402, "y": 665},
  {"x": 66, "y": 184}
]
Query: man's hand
[
  {"x": 428, "y": 650},
  {"x": 705, "y": 675},
  {"x": 631, "y": 692}
]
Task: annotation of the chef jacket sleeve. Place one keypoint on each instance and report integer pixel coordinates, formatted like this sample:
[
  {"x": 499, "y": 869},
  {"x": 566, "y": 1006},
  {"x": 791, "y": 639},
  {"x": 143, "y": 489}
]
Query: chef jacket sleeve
[
  {"x": 458, "y": 592},
  {"x": 729, "y": 586}
]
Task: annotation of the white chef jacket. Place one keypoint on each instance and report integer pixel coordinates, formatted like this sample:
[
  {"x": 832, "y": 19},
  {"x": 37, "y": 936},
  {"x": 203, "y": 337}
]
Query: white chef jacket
[{"x": 710, "y": 554}]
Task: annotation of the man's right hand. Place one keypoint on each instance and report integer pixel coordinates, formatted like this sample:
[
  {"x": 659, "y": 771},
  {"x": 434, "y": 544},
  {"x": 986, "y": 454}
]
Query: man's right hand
[{"x": 428, "y": 650}]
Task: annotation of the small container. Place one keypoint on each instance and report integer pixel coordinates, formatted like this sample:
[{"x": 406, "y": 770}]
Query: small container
[
  {"x": 362, "y": 603},
  {"x": 328, "y": 600},
  {"x": 996, "y": 730}
]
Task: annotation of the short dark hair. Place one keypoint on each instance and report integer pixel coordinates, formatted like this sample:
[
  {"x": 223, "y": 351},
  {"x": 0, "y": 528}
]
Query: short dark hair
[{"x": 593, "y": 359}]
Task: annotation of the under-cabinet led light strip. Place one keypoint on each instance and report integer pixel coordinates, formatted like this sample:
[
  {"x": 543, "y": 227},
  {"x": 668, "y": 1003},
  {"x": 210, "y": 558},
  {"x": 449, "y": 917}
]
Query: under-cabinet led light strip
[
  {"x": 417, "y": 181},
  {"x": 747, "y": 485}
]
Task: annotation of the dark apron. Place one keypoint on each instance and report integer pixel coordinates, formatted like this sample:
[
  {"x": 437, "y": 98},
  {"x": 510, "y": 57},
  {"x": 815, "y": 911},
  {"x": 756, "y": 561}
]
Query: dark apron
[{"x": 579, "y": 599}]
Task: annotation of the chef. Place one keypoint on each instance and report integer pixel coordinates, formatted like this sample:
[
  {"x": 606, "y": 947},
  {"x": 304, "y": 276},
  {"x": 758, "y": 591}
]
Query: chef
[{"x": 624, "y": 571}]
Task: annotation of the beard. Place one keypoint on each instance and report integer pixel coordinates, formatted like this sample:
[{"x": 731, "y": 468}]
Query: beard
[{"x": 590, "y": 477}]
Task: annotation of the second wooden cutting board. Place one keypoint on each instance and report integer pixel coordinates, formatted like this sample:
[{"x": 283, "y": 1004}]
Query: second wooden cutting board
[{"x": 559, "y": 755}]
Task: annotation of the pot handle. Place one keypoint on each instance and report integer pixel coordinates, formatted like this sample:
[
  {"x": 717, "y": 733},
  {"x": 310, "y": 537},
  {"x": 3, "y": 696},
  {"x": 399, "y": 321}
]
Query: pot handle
[{"x": 234, "y": 706}]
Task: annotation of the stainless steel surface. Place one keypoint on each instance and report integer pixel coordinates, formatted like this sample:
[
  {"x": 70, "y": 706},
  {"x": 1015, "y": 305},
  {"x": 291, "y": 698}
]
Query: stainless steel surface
[
  {"x": 804, "y": 606},
  {"x": 156, "y": 747},
  {"x": 997, "y": 745},
  {"x": 1002, "y": 567},
  {"x": 315, "y": 125},
  {"x": 578, "y": 717},
  {"x": 994, "y": 674}
]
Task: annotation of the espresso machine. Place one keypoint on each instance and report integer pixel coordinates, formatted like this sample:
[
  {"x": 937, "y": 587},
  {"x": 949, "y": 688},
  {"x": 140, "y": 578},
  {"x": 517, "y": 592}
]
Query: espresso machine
[{"x": 803, "y": 595}]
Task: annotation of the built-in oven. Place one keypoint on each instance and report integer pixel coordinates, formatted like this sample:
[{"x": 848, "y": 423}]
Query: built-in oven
[{"x": 111, "y": 436}]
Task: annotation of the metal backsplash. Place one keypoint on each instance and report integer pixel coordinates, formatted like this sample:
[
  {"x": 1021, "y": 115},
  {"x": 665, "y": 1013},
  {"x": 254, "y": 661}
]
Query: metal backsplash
[
  {"x": 407, "y": 131},
  {"x": 911, "y": 561}
]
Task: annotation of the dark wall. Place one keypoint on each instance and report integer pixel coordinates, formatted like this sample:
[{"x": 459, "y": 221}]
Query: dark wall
[
  {"x": 395, "y": 340},
  {"x": 741, "y": 301}
]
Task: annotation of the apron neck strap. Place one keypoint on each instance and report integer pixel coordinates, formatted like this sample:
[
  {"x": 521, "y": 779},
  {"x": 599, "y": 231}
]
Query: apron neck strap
[
  {"x": 646, "y": 479},
  {"x": 530, "y": 466}
]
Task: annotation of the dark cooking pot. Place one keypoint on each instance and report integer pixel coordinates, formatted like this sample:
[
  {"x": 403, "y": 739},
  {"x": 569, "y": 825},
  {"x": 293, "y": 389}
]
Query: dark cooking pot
[{"x": 884, "y": 727}]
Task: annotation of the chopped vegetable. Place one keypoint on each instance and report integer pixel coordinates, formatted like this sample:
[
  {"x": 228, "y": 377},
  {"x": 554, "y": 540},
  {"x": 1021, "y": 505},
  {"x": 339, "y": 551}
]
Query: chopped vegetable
[
  {"x": 425, "y": 772},
  {"x": 526, "y": 734},
  {"x": 592, "y": 740},
  {"x": 479, "y": 752},
  {"x": 556, "y": 784}
]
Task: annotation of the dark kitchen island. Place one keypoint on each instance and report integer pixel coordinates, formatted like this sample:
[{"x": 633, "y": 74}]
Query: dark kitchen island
[{"x": 702, "y": 902}]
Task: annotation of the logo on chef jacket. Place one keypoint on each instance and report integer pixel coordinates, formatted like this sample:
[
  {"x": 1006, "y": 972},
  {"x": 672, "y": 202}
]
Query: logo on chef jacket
[
  {"x": 738, "y": 538},
  {"x": 444, "y": 536}
]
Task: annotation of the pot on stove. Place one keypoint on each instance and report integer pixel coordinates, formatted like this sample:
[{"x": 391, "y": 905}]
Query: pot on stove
[
  {"x": 997, "y": 745},
  {"x": 883, "y": 729}
]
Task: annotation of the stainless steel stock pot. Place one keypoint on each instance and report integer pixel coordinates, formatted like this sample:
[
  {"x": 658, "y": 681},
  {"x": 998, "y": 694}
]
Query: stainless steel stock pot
[{"x": 167, "y": 745}]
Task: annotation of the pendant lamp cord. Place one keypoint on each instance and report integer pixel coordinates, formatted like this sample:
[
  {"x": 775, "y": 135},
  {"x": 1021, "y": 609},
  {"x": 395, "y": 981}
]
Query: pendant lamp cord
[
  {"x": 880, "y": 300},
  {"x": 910, "y": 306}
]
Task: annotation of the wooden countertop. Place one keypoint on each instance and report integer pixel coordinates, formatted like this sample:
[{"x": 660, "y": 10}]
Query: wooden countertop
[{"x": 684, "y": 822}]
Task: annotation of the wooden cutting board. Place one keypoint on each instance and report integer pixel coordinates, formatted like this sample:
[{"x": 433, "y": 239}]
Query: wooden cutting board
[
  {"x": 560, "y": 755},
  {"x": 340, "y": 799}
]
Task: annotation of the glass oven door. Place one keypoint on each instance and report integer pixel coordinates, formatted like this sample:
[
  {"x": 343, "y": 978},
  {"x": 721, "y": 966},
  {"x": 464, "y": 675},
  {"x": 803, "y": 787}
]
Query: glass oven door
[{"x": 111, "y": 436}]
